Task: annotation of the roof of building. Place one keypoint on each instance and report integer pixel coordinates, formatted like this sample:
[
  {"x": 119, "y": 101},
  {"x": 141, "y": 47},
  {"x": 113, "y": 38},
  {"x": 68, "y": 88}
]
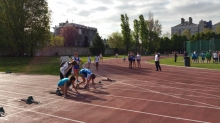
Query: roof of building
[
  {"x": 186, "y": 24},
  {"x": 75, "y": 25}
]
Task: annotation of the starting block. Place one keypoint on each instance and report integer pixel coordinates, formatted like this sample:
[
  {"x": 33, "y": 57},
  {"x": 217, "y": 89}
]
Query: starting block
[
  {"x": 2, "y": 112},
  {"x": 30, "y": 100},
  {"x": 108, "y": 79},
  {"x": 8, "y": 71}
]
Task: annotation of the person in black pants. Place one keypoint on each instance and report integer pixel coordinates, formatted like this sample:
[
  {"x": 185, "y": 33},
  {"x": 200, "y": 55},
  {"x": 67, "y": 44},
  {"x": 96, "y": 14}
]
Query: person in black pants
[
  {"x": 157, "y": 61},
  {"x": 130, "y": 58},
  {"x": 175, "y": 57},
  {"x": 66, "y": 68}
]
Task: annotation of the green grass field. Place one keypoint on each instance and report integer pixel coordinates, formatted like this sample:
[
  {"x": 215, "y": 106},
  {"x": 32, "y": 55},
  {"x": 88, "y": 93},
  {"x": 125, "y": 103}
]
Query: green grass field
[
  {"x": 180, "y": 62},
  {"x": 35, "y": 65}
]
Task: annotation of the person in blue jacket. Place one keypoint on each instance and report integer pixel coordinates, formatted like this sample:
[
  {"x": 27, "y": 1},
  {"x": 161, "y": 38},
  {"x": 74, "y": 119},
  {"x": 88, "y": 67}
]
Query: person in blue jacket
[{"x": 86, "y": 76}]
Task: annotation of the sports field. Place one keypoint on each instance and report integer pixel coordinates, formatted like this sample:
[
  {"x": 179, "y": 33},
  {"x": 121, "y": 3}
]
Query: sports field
[{"x": 139, "y": 95}]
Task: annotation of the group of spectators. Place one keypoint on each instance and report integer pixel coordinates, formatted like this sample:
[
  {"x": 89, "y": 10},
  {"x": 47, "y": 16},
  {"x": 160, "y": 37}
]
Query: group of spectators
[{"x": 206, "y": 55}]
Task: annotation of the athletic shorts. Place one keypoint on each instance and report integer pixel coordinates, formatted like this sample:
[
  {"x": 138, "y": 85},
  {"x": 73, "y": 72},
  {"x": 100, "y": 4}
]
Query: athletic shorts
[{"x": 76, "y": 67}]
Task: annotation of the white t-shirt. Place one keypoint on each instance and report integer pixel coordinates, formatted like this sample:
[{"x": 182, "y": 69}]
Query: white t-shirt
[
  {"x": 89, "y": 59},
  {"x": 215, "y": 55},
  {"x": 96, "y": 58},
  {"x": 138, "y": 57},
  {"x": 100, "y": 55},
  {"x": 156, "y": 57}
]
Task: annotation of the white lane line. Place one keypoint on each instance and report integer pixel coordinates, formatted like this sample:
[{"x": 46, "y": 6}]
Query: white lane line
[
  {"x": 174, "y": 77},
  {"x": 183, "y": 104},
  {"x": 165, "y": 93},
  {"x": 109, "y": 107},
  {"x": 208, "y": 97},
  {"x": 134, "y": 79},
  {"x": 44, "y": 114},
  {"x": 174, "y": 96},
  {"x": 32, "y": 108},
  {"x": 168, "y": 86}
]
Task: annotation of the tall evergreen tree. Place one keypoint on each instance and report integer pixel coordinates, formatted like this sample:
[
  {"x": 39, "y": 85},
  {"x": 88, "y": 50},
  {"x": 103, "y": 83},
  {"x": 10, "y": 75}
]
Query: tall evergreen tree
[
  {"x": 126, "y": 31},
  {"x": 97, "y": 45},
  {"x": 143, "y": 33},
  {"x": 136, "y": 33}
]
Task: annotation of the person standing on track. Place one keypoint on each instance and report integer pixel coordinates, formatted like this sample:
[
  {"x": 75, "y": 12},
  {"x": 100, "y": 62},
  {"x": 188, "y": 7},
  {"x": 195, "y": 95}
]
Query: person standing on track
[
  {"x": 130, "y": 60},
  {"x": 157, "y": 61},
  {"x": 138, "y": 60},
  {"x": 116, "y": 55},
  {"x": 133, "y": 60},
  {"x": 97, "y": 62},
  {"x": 100, "y": 56},
  {"x": 89, "y": 61},
  {"x": 76, "y": 67}
]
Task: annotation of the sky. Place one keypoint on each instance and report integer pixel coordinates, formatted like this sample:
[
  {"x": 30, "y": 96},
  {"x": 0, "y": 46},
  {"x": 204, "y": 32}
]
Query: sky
[{"x": 105, "y": 14}]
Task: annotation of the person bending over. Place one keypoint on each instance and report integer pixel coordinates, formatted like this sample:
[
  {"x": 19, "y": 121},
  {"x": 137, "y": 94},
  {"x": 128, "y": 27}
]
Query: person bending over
[
  {"x": 87, "y": 76},
  {"x": 66, "y": 69},
  {"x": 64, "y": 84}
]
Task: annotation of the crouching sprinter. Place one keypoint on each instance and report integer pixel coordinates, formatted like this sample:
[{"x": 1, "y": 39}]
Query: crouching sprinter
[
  {"x": 64, "y": 84},
  {"x": 87, "y": 76}
]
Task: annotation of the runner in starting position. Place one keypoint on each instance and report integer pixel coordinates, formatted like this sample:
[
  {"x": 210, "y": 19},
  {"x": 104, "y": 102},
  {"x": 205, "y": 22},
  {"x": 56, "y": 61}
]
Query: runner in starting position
[
  {"x": 64, "y": 84},
  {"x": 86, "y": 74}
]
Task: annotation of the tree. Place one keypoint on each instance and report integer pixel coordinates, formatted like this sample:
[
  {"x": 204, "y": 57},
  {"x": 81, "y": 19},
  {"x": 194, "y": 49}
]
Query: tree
[
  {"x": 217, "y": 29},
  {"x": 197, "y": 36},
  {"x": 207, "y": 30},
  {"x": 143, "y": 33},
  {"x": 115, "y": 40},
  {"x": 97, "y": 45},
  {"x": 26, "y": 24},
  {"x": 155, "y": 29},
  {"x": 178, "y": 42},
  {"x": 56, "y": 41},
  {"x": 186, "y": 33},
  {"x": 166, "y": 45},
  {"x": 167, "y": 34},
  {"x": 126, "y": 31},
  {"x": 192, "y": 37},
  {"x": 136, "y": 33},
  {"x": 70, "y": 35}
]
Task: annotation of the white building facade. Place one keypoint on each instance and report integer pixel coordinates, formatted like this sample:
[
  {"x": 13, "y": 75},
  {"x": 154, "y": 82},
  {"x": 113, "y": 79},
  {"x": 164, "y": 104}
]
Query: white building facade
[{"x": 192, "y": 27}]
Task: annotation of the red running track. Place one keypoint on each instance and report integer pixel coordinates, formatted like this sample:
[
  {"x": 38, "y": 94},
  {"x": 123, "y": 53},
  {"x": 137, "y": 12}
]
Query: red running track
[{"x": 139, "y": 95}]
